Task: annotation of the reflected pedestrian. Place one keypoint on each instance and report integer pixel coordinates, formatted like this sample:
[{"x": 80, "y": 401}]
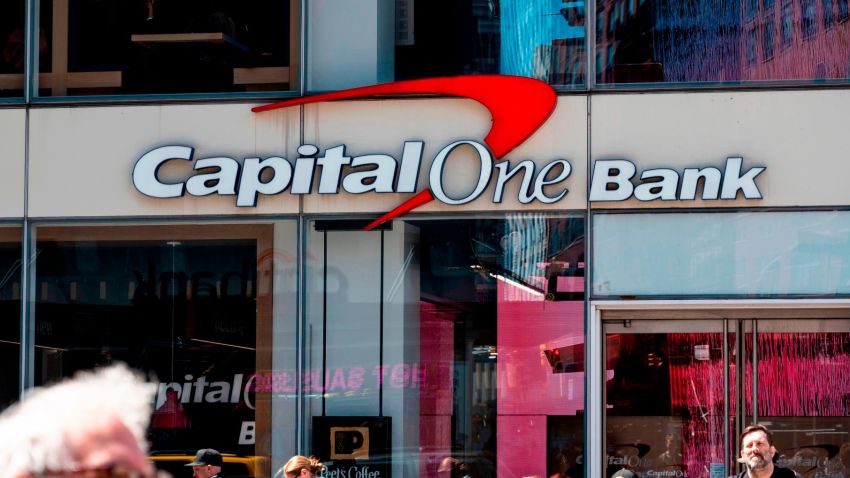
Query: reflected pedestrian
[
  {"x": 207, "y": 464},
  {"x": 451, "y": 467},
  {"x": 302, "y": 467}
]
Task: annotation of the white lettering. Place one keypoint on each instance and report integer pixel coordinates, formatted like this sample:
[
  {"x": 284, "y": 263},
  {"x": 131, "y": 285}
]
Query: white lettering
[
  {"x": 302, "y": 181},
  {"x": 484, "y": 173},
  {"x": 612, "y": 172},
  {"x": 332, "y": 163},
  {"x": 144, "y": 173},
  {"x": 690, "y": 180},
  {"x": 665, "y": 189},
  {"x": 408, "y": 172},
  {"x": 506, "y": 173},
  {"x": 251, "y": 184},
  {"x": 222, "y": 181},
  {"x": 247, "y": 435},
  {"x": 733, "y": 181},
  {"x": 379, "y": 179},
  {"x": 541, "y": 181},
  {"x": 220, "y": 394}
]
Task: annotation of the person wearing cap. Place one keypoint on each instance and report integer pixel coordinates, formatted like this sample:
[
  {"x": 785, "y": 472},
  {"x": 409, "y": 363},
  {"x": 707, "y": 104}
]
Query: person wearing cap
[{"x": 207, "y": 464}]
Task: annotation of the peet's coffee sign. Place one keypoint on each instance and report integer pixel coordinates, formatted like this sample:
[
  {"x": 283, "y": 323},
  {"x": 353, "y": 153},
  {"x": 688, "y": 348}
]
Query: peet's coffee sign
[
  {"x": 519, "y": 106},
  {"x": 354, "y": 447}
]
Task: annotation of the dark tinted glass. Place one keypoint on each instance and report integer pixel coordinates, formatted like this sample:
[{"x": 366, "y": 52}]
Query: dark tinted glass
[
  {"x": 708, "y": 41},
  {"x": 165, "y": 46},
  {"x": 540, "y": 39},
  {"x": 12, "y": 48},
  {"x": 10, "y": 314},
  {"x": 178, "y": 303}
]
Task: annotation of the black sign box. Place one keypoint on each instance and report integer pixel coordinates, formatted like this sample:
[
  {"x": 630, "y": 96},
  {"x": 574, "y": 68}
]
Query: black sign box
[{"x": 354, "y": 447}]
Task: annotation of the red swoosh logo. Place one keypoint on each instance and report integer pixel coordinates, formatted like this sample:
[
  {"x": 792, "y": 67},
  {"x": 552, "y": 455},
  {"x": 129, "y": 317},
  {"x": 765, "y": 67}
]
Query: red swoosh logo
[{"x": 518, "y": 106}]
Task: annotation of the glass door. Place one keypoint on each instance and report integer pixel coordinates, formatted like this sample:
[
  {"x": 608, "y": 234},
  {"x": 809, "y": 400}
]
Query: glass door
[
  {"x": 675, "y": 404},
  {"x": 802, "y": 391},
  {"x": 666, "y": 383}
]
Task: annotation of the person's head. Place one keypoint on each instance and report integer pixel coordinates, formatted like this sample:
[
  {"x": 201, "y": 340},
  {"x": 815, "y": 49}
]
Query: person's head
[
  {"x": 207, "y": 463},
  {"x": 91, "y": 426},
  {"x": 302, "y": 467},
  {"x": 757, "y": 449},
  {"x": 451, "y": 467},
  {"x": 559, "y": 462},
  {"x": 624, "y": 473}
]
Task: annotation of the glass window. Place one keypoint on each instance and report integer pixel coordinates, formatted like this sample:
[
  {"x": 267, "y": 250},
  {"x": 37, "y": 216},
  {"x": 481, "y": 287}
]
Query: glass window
[
  {"x": 752, "y": 8},
  {"x": 843, "y": 10},
  {"x": 167, "y": 46},
  {"x": 752, "y": 54},
  {"x": 193, "y": 307},
  {"x": 664, "y": 400},
  {"x": 10, "y": 314},
  {"x": 809, "y": 23},
  {"x": 674, "y": 387},
  {"x": 828, "y": 15},
  {"x": 768, "y": 37},
  {"x": 447, "y": 344},
  {"x": 744, "y": 254},
  {"x": 407, "y": 39},
  {"x": 709, "y": 42},
  {"x": 12, "y": 48},
  {"x": 786, "y": 28}
]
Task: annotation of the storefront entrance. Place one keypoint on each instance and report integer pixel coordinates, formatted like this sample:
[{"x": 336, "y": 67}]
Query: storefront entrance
[{"x": 679, "y": 385}]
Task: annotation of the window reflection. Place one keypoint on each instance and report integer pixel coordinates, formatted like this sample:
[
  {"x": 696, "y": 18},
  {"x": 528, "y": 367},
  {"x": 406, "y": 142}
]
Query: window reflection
[
  {"x": 485, "y": 315},
  {"x": 707, "y": 41},
  {"x": 544, "y": 40},
  {"x": 12, "y": 48},
  {"x": 184, "y": 304},
  {"x": 165, "y": 46},
  {"x": 10, "y": 314}
]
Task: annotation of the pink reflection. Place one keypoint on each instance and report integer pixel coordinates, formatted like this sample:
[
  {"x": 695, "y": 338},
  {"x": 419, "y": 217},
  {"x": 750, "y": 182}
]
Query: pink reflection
[
  {"x": 818, "y": 366},
  {"x": 436, "y": 355},
  {"x": 521, "y": 447},
  {"x": 528, "y": 386},
  {"x": 527, "y": 328},
  {"x": 696, "y": 395}
]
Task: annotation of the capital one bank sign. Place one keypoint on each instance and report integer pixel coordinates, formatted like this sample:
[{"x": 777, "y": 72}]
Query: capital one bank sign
[{"x": 519, "y": 106}]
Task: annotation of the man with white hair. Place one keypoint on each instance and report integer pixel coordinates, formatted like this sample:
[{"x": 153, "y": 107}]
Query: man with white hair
[{"x": 90, "y": 426}]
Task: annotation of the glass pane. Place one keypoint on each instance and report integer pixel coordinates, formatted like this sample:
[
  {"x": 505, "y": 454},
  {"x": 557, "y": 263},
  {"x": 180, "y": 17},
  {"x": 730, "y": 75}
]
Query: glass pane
[
  {"x": 469, "y": 334},
  {"x": 165, "y": 46},
  {"x": 714, "y": 41},
  {"x": 697, "y": 254},
  {"x": 665, "y": 397},
  {"x": 190, "y": 305},
  {"x": 10, "y": 315},
  {"x": 803, "y": 379},
  {"x": 12, "y": 48},
  {"x": 407, "y": 39}
]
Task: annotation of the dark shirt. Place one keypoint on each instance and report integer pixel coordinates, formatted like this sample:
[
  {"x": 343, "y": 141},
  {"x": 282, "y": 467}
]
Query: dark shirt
[{"x": 778, "y": 472}]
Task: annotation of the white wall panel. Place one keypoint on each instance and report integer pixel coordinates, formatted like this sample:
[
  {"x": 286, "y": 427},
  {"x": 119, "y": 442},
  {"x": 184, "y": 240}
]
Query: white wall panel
[
  {"x": 12, "y": 126},
  {"x": 81, "y": 159},
  {"x": 800, "y": 136}
]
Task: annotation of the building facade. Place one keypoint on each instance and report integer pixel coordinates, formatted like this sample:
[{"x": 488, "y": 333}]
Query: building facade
[{"x": 618, "y": 261}]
